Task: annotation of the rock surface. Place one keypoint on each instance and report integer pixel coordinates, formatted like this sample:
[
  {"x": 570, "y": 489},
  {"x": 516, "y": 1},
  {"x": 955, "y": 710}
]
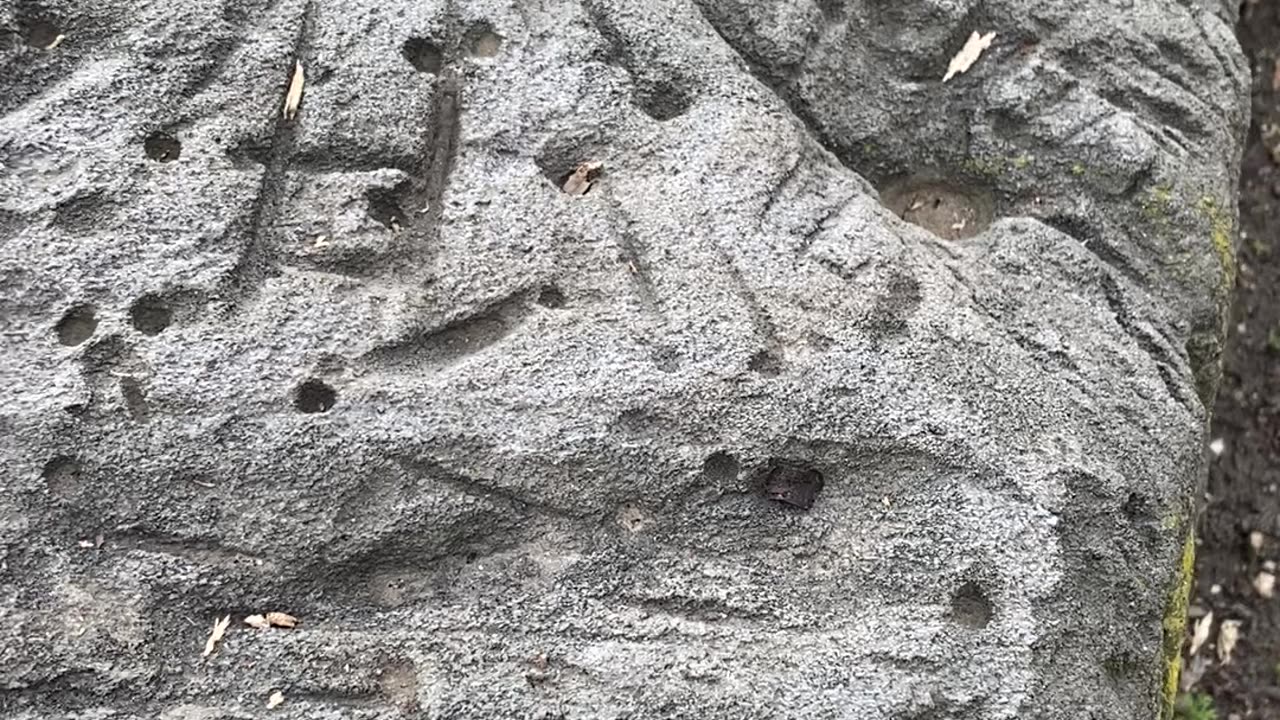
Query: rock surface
[{"x": 725, "y": 437}]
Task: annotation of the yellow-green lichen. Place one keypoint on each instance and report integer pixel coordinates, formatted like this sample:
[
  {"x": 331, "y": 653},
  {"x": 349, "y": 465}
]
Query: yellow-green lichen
[
  {"x": 988, "y": 167},
  {"x": 1175, "y": 627},
  {"x": 992, "y": 167},
  {"x": 1078, "y": 169},
  {"x": 1158, "y": 202},
  {"x": 1220, "y": 231}
]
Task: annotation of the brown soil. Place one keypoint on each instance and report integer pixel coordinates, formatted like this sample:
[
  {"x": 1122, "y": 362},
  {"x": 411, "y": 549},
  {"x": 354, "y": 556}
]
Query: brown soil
[{"x": 1243, "y": 496}]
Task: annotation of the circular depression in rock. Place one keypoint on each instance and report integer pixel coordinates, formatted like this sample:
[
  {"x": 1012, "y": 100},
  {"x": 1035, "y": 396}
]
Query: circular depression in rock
[
  {"x": 424, "y": 55},
  {"x": 162, "y": 147},
  {"x": 482, "y": 41},
  {"x": 150, "y": 315},
  {"x": 950, "y": 210},
  {"x": 42, "y": 34},
  {"x": 77, "y": 325},
  {"x": 971, "y": 607},
  {"x": 314, "y": 396}
]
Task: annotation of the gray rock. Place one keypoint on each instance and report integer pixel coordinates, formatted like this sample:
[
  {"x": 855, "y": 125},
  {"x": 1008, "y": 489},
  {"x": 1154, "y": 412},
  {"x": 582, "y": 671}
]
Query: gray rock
[{"x": 724, "y": 437}]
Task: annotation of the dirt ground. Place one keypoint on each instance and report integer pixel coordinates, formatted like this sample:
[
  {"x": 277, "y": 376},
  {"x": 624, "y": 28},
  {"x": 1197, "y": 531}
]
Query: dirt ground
[{"x": 1240, "y": 524}]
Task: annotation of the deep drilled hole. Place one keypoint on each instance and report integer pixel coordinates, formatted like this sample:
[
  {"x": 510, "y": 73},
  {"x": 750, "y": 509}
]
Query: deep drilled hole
[
  {"x": 42, "y": 34},
  {"x": 765, "y": 362},
  {"x": 720, "y": 468},
  {"x": 150, "y": 314},
  {"x": 162, "y": 147},
  {"x": 424, "y": 55},
  {"x": 77, "y": 325},
  {"x": 551, "y": 297},
  {"x": 971, "y": 607},
  {"x": 384, "y": 207},
  {"x": 560, "y": 156},
  {"x": 314, "y": 396},
  {"x": 793, "y": 484}
]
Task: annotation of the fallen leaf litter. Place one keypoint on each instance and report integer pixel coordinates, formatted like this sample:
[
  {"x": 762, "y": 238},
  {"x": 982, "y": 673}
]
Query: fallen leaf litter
[
  {"x": 215, "y": 635},
  {"x": 294, "y": 98},
  {"x": 969, "y": 54},
  {"x": 579, "y": 182}
]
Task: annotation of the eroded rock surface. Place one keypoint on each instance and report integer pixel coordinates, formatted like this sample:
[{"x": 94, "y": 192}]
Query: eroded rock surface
[{"x": 725, "y": 437}]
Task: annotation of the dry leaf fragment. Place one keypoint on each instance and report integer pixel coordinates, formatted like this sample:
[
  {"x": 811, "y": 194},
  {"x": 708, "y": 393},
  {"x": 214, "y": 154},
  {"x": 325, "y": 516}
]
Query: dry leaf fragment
[
  {"x": 1193, "y": 672},
  {"x": 275, "y": 700},
  {"x": 580, "y": 181},
  {"x": 1275, "y": 76},
  {"x": 1228, "y": 636},
  {"x": 279, "y": 619},
  {"x": 1265, "y": 584},
  {"x": 215, "y": 635},
  {"x": 969, "y": 54},
  {"x": 1201, "y": 633},
  {"x": 294, "y": 98},
  {"x": 257, "y": 621}
]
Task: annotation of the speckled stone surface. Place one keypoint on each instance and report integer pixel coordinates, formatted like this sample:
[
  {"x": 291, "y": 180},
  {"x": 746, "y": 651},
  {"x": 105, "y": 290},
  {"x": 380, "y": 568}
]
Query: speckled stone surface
[{"x": 725, "y": 437}]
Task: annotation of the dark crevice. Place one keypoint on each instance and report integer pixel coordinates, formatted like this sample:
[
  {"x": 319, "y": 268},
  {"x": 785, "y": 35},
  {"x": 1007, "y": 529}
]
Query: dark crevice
[
  {"x": 820, "y": 225},
  {"x": 779, "y": 84},
  {"x": 259, "y": 259},
  {"x": 442, "y": 154},
  {"x": 765, "y": 329},
  {"x": 480, "y": 487},
  {"x": 775, "y": 193},
  {"x": 1161, "y": 356},
  {"x": 458, "y": 338},
  {"x": 632, "y": 254}
]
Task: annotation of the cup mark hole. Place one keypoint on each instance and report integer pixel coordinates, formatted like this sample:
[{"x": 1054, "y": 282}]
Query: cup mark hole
[
  {"x": 424, "y": 55},
  {"x": 721, "y": 469},
  {"x": 793, "y": 484},
  {"x": 44, "y": 35},
  {"x": 150, "y": 314},
  {"x": 551, "y": 297},
  {"x": 77, "y": 325},
  {"x": 952, "y": 211},
  {"x": 162, "y": 147},
  {"x": 766, "y": 362},
  {"x": 482, "y": 41},
  {"x": 971, "y": 607},
  {"x": 62, "y": 476},
  {"x": 314, "y": 396}
]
